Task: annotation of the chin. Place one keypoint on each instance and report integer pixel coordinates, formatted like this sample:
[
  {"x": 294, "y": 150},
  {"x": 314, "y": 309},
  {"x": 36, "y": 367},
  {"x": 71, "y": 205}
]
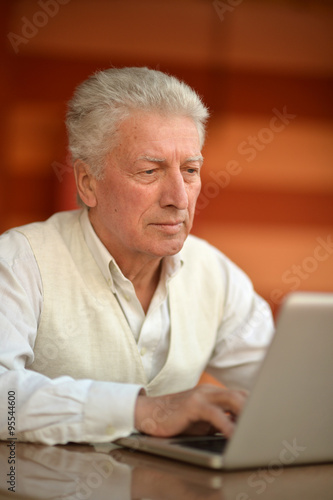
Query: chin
[{"x": 173, "y": 247}]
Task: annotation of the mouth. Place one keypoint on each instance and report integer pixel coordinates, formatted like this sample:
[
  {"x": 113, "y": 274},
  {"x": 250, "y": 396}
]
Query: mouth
[{"x": 169, "y": 227}]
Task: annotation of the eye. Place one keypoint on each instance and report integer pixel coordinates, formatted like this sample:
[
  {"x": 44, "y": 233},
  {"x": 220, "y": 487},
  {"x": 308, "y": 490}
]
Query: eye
[
  {"x": 149, "y": 175},
  {"x": 192, "y": 171}
]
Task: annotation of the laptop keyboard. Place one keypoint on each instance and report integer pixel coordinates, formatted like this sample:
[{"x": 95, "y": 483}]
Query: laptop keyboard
[{"x": 213, "y": 444}]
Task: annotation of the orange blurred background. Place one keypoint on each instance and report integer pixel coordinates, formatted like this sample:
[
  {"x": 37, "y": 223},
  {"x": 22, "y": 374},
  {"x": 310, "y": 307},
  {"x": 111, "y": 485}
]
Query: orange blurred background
[{"x": 265, "y": 69}]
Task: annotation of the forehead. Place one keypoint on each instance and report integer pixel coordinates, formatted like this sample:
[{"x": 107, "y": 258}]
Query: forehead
[{"x": 144, "y": 132}]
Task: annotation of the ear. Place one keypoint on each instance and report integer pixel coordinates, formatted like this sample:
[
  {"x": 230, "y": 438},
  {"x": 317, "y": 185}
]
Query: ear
[{"x": 85, "y": 183}]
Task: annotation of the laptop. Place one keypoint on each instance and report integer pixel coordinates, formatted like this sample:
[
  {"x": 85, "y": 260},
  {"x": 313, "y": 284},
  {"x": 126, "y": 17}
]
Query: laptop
[{"x": 288, "y": 417}]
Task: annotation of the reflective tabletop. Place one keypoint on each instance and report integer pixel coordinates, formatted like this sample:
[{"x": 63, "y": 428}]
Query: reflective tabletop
[{"x": 104, "y": 471}]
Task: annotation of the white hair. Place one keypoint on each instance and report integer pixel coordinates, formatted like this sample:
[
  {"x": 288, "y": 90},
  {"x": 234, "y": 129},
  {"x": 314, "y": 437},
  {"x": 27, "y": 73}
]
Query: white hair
[{"x": 101, "y": 102}]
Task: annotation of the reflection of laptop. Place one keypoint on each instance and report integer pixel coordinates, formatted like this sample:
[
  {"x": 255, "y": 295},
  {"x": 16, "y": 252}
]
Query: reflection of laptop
[{"x": 288, "y": 418}]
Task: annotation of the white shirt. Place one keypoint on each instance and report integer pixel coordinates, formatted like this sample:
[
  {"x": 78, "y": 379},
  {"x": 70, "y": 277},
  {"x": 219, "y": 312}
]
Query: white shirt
[
  {"x": 151, "y": 331},
  {"x": 73, "y": 410}
]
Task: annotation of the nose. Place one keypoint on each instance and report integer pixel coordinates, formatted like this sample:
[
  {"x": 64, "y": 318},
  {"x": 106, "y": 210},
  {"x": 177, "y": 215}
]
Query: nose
[{"x": 174, "y": 191}]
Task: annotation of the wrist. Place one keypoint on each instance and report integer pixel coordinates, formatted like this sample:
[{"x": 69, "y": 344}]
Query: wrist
[{"x": 142, "y": 416}]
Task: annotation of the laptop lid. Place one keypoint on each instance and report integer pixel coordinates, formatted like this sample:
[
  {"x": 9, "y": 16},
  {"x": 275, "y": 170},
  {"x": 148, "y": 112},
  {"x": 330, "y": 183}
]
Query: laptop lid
[{"x": 288, "y": 417}]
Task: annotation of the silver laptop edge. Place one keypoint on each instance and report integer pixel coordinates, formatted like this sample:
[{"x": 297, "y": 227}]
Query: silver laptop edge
[{"x": 289, "y": 414}]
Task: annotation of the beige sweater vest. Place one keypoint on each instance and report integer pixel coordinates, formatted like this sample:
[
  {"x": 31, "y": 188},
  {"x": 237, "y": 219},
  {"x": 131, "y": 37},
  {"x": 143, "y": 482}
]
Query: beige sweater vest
[{"x": 82, "y": 330}]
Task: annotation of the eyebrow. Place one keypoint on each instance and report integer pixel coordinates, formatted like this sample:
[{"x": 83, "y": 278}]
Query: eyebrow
[
  {"x": 151, "y": 158},
  {"x": 161, "y": 160}
]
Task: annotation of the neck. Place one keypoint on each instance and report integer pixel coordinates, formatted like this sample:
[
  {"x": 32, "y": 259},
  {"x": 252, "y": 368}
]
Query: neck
[
  {"x": 142, "y": 270},
  {"x": 145, "y": 283},
  {"x": 144, "y": 278}
]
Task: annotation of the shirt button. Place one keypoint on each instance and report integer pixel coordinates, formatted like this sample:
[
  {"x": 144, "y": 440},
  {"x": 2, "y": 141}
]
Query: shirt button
[
  {"x": 110, "y": 429},
  {"x": 143, "y": 351},
  {"x": 126, "y": 297}
]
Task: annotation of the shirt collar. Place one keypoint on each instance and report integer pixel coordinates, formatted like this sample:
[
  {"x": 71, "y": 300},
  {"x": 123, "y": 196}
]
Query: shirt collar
[{"x": 107, "y": 264}]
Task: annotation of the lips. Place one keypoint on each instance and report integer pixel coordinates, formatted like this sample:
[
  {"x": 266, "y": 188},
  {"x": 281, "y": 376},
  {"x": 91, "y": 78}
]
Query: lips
[
  {"x": 170, "y": 223},
  {"x": 170, "y": 227}
]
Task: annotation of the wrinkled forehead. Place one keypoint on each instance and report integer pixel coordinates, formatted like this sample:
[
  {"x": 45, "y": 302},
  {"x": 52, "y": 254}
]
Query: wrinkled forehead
[
  {"x": 154, "y": 135},
  {"x": 146, "y": 121}
]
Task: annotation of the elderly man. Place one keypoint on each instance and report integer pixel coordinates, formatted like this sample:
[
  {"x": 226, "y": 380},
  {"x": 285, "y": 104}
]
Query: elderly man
[{"x": 109, "y": 314}]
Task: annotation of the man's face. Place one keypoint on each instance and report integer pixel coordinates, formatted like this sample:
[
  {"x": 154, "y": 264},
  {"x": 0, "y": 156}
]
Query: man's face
[{"x": 145, "y": 203}]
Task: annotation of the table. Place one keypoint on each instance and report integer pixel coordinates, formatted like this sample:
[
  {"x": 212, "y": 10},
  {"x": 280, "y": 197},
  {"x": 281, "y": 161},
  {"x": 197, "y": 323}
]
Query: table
[{"x": 104, "y": 471}]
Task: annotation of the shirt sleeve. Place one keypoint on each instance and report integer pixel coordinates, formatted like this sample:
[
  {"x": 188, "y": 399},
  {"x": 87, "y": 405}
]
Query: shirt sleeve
[
  {"x": 245, "y": 331},
  {"x": 49, "y": 411}
]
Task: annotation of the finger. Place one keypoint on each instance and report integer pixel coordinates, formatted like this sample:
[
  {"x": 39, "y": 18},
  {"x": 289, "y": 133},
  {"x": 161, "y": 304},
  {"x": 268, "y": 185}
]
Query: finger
[
  {"x": 230, "y": 401},
  {"x": 216, "y": 417},
  {"x": 200, "y": 429}
]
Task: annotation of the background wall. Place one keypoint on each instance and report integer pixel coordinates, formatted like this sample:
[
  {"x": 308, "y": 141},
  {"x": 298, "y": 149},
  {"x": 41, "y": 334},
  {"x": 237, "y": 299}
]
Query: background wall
[{"x": 265, "y": 69}]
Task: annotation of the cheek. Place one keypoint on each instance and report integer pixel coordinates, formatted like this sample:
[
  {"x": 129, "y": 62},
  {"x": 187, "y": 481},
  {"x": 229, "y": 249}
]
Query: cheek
[
  {"x": 142, "y": 199},
  {"x": 193, "y": 194},
  {"x": 130, "y": 207},
  {"x": 112, "y": 200}
]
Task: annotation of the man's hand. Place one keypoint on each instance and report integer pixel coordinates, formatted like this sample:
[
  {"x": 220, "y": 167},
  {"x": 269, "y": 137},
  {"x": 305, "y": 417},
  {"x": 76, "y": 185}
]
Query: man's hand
[{"x": 201, "y": 410}]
